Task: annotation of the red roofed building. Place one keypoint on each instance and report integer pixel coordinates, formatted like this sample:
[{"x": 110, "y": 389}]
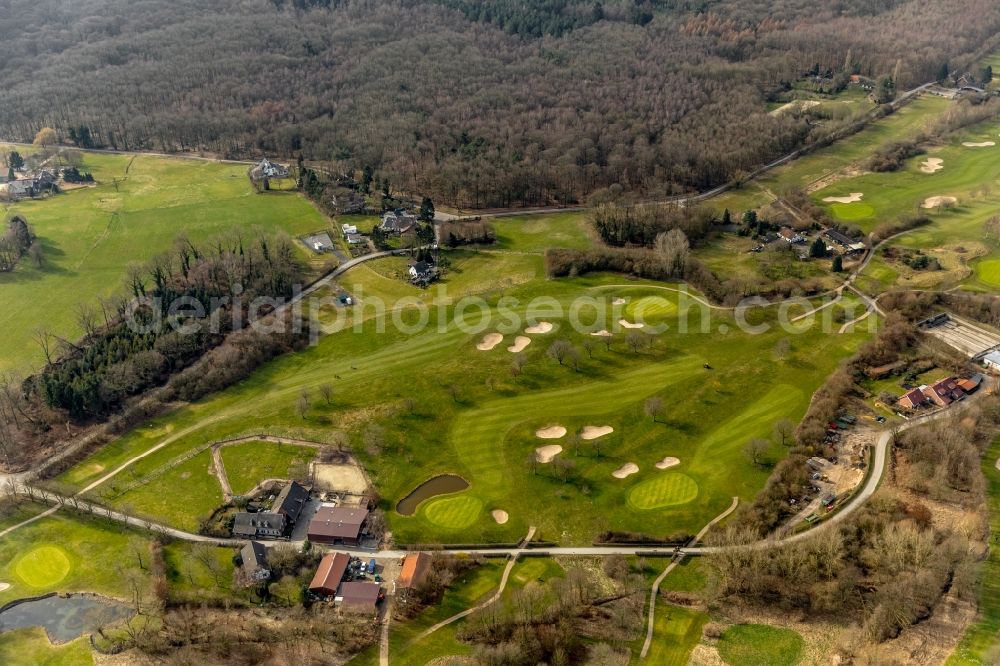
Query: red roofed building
[
  {"x": 336, "y": 523},
  {"x": 359, "y": 596},
  {"x": 329, "y": 574},
  {"x": 944, "y": 392},
  {"x": 913, "y": 399},
  {"x": 415, "y": 568}
]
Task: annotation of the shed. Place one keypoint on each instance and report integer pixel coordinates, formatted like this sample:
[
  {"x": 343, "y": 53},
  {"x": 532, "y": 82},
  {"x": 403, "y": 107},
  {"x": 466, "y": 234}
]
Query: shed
[
  {"x": 415, "y": 568},
  {"x": 359, "y": 596},
  {"x": 335, "y": 523},
  {"x": 329, "y": 574}
]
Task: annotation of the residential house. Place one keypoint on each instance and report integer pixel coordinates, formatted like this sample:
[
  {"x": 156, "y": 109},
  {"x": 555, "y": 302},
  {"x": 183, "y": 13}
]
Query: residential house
[
  {"x": 355, "y": 239},
  {"x": 257, "y": 525},
  {"x": 290, "y": 502},
  {"x": 913, "y": 399},
  {"x": 337, "y": 523},
  {"x": 970, "y": 384},
  {"x": 420, "y": 269},
  {"x": 790, "y": 236},
  {"x": 329, "y": 574},
  {"x": 414, "y": 571},
  {"x": 992, "y": 360},
  {"x": 944, "y": 392},
  {"x": 254, "y": 557},
  {"x": 398, "y": 222},
  {"x": 266, "y": 169},
  {"x": 359, "y": 596},
  {"x": 348, "y": 229}
]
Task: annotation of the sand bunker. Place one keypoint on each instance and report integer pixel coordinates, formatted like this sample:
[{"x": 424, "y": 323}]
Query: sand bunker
[
  {"x": 603, "y": 333},
  {"x": 500, "y": 516},
  {"x": 490, "y": 340},
  {"x": 668, "y": 462},
  {"x": 552, "y": 432},
  {"x": 593, "y": 432},
  {"x": 978, "y": 144},
  {"x": 628, "y": 324},
  {"x": 932, "y": 164},
  {"x": 520, "y": 342},
  {"x": 4, "y": 586},
  {"x": 545, "y": 454},
  {"x": 855, "y": 196},
  {"x": 618, "y": 301},
  {"x": 540, "y": 327},
  {"x": 998, "y": 463},
  {"x": 626, "y": 470},
  {"x": 800, "y": 104},
  {"x": 934, "y": 202}
]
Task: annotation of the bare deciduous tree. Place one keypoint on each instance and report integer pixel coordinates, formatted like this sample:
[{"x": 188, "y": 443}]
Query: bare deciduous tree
[{"x": 654, "y": 408}]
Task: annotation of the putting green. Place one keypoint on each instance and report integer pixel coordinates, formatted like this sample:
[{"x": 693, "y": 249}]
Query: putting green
[
  {"x": 43, "y": 566},
  {"x": 651, "y": 307},
  {"x": 852, "y": 211},
  {"x": 454, "y": 512},
  {"x": 760, "y": 644},
  {"x": 989, "y": 272},
  {"x": 663, "y": 490}
]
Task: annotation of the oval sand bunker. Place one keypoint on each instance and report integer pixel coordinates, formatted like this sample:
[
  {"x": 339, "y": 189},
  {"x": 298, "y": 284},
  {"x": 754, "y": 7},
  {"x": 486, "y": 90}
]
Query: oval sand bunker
[
  {"x": 489, "y": 341},
  {"x": 626, "y": 470},
  {"x": 978, "y": 144},
  {"x": 540, "y": 327},
  {"x": 935, "y": 202},
  {"x": 932, "y": 164},
  {"x": 668, "y": 462},
  {"x": 552, "y": 432},
  {"x": 500, "y": 516},
  {"x": 854, "y": 196},
  {"x": 624, "y": 323},
  {"x": 520, "y": 342},
  {"x": 4, "y": 586},
  {"x": 593, "y": 432},
  {"x": 603, "y": 333},
  {"x": 545, "y": 454},
  {"x": 618, "y": 301}
]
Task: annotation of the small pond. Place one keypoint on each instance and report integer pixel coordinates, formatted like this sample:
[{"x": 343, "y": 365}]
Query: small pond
[
  {"x": 64, "y": 618},
  {"x": 439, "y": 485}
]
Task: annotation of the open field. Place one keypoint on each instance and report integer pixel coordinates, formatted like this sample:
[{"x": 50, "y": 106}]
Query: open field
[
  {"x": 249, "y": 463},
  {"x": 31, "y": 647},
  {"x": 981, "y": 643},
  {"x": 537, "y": 233},
  {"x": 471, "y": 417},
  {"x": 89, "y": 235},
  {"x": 676, "y": 631},
  {"x": 760, "y": 644}
]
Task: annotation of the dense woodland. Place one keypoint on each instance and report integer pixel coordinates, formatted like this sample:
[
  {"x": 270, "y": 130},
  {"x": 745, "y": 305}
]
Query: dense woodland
[{"x": 495, "y": 103}]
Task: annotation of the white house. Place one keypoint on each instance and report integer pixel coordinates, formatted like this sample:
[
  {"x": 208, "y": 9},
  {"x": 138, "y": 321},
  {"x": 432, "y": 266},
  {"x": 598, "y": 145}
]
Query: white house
[
  {"x": 349, "y": 229},
  {"x": 992, "y": 360}
]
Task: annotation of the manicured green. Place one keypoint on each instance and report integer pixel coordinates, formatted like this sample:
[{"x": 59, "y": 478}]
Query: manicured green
[
  {"x": 989, "y": 272},
  {"x": 90, "y": 235},
  {"x": 676, "y": 631},
  {"x": 453, "y": 512},
  {"x": 668, "y": 489},
  {"x": 31, "y": 647},
  {"x": 537, "y": 233},
  {"x": 981, "y": 643},
  {"x": 760, "y": 645},
  {"x": 850, "y": 212},
  {"x": 43, "y": 566},
  {"x": 249, "y": 463},
  {"x": 649, "y": 308}
]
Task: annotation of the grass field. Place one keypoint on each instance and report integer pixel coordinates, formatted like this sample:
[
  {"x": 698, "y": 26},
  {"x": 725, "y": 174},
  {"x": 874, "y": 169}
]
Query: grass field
[
  {"x": 988, "y": 272},
  {"x": 668, "y": 489},
  {"x": 31, "y": 647},
  {"x": 249, "y": 463},
  {"x": 537, "y": 233},
  {"x": 760, "y": 645},
  {"x": 90, "y": 235},
  {"x": 981, "y": 643},
  {"x": 42, "y": 566},
  {"x": 675, "y": 633}
]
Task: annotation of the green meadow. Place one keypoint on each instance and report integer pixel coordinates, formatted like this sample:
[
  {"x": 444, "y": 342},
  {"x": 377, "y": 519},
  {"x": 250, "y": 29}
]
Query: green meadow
[
  {"x": 249, "y": 463},
  {"x": 89, "y": 235}
]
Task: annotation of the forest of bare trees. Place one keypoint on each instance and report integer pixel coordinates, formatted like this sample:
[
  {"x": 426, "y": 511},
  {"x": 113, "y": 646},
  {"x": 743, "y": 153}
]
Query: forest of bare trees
[{"x": 495, "y": 103}]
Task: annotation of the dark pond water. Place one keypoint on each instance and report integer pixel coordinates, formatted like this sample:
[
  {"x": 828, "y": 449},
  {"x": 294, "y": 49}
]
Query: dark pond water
[
  {"x": 64, "y": 618},
  {"x": 439, "y": 485}
]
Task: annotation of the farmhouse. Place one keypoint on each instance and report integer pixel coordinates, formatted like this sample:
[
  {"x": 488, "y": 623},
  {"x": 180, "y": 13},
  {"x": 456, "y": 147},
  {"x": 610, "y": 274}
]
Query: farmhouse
[
  {"x": 254, "y": 557},
  {"x": 333, "y": 523},
  {"x": 944, "y": 392},
  {"x": 790, "y": 236},
  {"x": 329, "y": 574},
  {"x": 257, "y": 525},
  {"x": 359, "y": 596},
  {"x": 992, "y": 360},
  {"x": 290, "y": 501},
  {"x": 266, "y": 169},
  {"x": 420, "y": 269},
  {"x": 397, "y": 222},
  {"x": 415, "y": 568},
  {"x": 913, "y": 399},
  {"x": 31, "y": 187}
]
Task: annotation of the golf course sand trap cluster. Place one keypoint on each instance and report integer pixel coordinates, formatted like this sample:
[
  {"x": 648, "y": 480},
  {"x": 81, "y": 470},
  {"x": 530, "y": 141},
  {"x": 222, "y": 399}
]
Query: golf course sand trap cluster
[
  {"x": 500, "y": 516},
  {"x": 593, "y": 432},
  {"x": 626, "y": 470},
  {"x": 520, "y": 342},
  {"x": 489, "y": 341},
  {"x": 668, "y": 462},
  {"x": 545, "y": 454},
  {"x": 978, "y": 144},
  {"x": 855, "y": 196},
  {"x": 618, "y": 301},
  {"x": 624, "y": 323},
  {"x": 540, "y": 327},
  {"x": 603, "y": 333},
  {"x": 934, "y": 202},
  {"x": 551, "y": 432},
  {"x": 932, "y": 165}
]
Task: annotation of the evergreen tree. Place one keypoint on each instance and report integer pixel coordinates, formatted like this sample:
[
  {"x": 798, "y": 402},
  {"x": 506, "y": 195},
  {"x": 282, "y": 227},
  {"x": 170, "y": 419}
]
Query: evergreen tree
[
  {"x": 727, "y": 217},
  {"x": 427, "y": 210},
  {"x": 838, "y": 264},
  {"x": 818, "y": 248},
  {"x": 14, "y": 160},
  {"x": 367, "y": 175}
]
